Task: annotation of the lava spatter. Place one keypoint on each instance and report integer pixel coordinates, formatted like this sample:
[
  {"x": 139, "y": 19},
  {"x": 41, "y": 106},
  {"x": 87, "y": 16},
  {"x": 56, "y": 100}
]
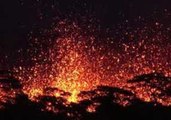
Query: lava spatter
[
  {"x": 77, "y": 62},
  {"x": 72, "y": 67}
]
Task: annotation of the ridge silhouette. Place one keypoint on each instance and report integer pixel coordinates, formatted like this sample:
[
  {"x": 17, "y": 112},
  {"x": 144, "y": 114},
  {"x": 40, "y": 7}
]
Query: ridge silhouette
[{"x": 108, "y": 102}]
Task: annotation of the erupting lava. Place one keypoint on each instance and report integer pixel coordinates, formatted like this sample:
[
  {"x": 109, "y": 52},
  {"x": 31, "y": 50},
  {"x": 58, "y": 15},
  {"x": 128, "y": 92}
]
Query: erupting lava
[
  {"x": 73, "y": 70},
  {"x": 72, "y": 65},
  {"x": 78, "y": 62}
]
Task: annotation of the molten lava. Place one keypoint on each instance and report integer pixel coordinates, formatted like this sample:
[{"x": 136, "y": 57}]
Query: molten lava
[{"x": 76, "y": 62}]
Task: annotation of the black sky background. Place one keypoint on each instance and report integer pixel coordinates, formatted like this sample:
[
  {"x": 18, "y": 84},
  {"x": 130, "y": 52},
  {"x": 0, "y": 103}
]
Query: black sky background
[{"x": 19, "y": 17}]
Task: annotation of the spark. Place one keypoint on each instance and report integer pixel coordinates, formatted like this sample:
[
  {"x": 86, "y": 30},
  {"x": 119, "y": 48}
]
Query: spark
[{"x": 76, "y": 63}]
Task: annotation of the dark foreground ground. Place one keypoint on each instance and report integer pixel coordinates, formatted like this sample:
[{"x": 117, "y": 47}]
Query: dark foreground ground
[{"x": 110, "y": 107}]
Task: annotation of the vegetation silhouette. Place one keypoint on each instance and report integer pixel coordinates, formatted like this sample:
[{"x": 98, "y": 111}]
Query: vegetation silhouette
[{"x": 108, "y": 103}]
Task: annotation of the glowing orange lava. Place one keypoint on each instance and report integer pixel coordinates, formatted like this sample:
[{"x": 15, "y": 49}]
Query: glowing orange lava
[{"x": 75, "y": 63}]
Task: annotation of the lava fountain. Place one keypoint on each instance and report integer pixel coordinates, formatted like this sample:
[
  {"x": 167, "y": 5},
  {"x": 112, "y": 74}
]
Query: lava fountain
[
  {"x": 75, "y": 62},
  {"x": 72, "y": 65}
]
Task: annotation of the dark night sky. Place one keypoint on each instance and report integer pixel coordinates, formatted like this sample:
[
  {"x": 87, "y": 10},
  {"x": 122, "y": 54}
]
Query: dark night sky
[{"x": 19, "y": 17}]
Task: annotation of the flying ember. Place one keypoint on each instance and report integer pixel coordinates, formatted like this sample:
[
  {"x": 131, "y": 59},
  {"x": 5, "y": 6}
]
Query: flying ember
[{"x": 76, "y": 62}]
